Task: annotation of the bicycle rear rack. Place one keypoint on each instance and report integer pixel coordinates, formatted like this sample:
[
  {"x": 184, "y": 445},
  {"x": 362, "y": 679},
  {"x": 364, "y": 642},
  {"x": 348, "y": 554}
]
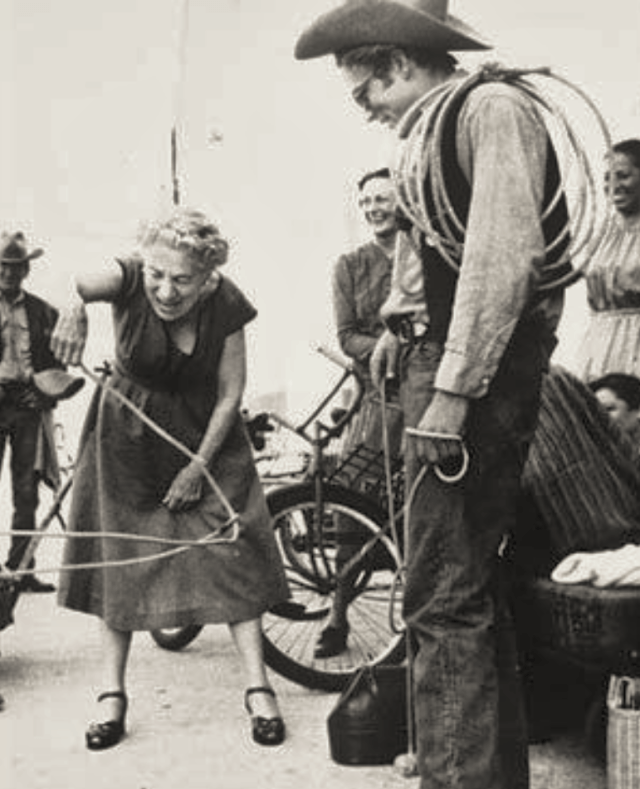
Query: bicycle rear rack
[{"x": 363, "y": 469}]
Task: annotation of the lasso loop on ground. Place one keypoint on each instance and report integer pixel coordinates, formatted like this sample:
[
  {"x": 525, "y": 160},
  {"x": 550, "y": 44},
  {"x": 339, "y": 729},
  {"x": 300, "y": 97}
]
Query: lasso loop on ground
[{"x": 419, "y": 162}]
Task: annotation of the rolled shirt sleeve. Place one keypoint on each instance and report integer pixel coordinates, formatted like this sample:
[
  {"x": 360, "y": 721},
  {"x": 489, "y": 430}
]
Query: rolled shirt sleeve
[{"x": 501, "y": 143}]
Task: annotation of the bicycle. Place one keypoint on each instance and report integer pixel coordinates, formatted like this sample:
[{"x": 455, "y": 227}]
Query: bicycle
[{"x": 304, "y": 515}]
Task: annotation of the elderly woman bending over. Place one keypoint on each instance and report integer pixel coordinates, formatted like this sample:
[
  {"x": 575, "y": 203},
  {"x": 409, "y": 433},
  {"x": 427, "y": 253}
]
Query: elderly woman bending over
[{"x": 180, "y": 358}]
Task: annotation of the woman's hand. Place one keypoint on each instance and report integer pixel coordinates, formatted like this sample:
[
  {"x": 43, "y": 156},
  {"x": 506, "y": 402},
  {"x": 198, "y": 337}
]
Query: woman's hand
[
  {"x": 186, "y": 488},
  {"x": 69, "y": 336}
]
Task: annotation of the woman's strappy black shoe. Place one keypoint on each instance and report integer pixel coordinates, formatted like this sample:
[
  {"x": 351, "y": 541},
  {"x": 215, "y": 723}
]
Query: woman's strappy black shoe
[
  {"x": 108, "y": 733},
  {"x": 265, "y": 731}
]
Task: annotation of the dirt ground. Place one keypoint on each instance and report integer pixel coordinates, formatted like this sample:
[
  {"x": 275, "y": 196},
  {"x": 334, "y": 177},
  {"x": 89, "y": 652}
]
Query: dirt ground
[{"x": 187, "y": 726}]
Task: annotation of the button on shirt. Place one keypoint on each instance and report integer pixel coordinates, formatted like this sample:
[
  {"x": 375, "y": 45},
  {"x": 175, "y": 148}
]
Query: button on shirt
[
  {"x": 501, "y": 142},
  {"x": 15, "y": 364}
]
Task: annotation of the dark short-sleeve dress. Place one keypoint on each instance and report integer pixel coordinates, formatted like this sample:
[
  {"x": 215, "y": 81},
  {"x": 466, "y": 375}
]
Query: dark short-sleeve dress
[{"x": 124, "y": 469}]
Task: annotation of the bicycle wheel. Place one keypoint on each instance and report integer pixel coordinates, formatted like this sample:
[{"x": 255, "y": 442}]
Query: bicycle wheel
[
  {"x": 308, "y": 550},
  {"x": 175, "y": 638}
]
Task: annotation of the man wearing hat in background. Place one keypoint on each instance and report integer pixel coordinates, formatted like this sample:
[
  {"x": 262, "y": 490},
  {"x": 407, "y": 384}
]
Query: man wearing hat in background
[
  {"x": 31, "y": 382},
  {"x": 474, "y": 342}
]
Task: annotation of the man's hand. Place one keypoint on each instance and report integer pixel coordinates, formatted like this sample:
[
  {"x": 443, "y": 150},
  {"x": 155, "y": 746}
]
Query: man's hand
[
  {"x": 70, "y": 334},
  {"x": 384, "y": 359},
  {"x": 445, "y": 416}
]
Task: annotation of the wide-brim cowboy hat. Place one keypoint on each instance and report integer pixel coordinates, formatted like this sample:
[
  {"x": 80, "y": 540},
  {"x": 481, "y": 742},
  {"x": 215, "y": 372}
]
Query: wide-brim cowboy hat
[
  {"x": 356, "y": 23},
  {"x": 14, "y": 249}
]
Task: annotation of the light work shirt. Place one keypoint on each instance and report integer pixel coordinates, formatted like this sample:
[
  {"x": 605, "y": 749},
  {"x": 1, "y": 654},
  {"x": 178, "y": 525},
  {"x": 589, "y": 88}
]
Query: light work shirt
[
  {"x": 502, "y": 144},
  {"x": 15, "y": 364}
]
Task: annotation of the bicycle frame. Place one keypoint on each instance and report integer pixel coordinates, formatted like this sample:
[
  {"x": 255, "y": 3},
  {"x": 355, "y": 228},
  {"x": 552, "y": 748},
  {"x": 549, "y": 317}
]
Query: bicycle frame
[
  {"x": 305, "y": 508},
  {"x": 319, "y": 435}
]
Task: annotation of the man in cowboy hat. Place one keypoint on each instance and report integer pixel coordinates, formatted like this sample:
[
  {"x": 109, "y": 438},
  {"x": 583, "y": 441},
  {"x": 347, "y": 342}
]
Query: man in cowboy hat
[
  {"x": 474, "y": 339},
  {"x": 31, "y": 381}
]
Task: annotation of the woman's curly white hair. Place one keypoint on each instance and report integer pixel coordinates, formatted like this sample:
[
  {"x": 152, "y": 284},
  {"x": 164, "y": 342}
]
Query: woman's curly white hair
[{"x": 190, "y": 231}]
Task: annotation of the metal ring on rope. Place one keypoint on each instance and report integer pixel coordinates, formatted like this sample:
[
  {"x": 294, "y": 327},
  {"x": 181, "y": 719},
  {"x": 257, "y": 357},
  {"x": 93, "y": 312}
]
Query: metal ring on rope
[
  {"x": 419, "y": 160},
  {"x": 461, "y": 472}
]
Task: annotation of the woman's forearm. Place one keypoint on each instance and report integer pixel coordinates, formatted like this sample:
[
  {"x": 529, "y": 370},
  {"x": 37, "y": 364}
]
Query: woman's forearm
[
  {"x": 231, "y": 385},
  {"x": 222, "y": 420}
]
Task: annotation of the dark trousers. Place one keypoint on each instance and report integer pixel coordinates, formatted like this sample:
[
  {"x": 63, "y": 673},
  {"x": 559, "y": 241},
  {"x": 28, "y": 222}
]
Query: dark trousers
[
  {"x": 471, "y": 731},
  {"x": 19, "y": 428}
]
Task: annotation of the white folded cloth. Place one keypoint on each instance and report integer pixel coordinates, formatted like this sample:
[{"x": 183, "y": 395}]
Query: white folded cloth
[{"x": 620, "y": 567}]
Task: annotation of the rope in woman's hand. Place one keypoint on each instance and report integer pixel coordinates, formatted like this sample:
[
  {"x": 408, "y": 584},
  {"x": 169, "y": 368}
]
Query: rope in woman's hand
[
  {"x": 228, "y": 532},
  {"x": 194, "y": 456}
]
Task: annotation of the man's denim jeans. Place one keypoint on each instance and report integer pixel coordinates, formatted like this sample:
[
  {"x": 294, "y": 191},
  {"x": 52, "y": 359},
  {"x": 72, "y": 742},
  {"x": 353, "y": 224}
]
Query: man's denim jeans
[
  {"x": 470, "y": 723},
  {"x": 20, "y": 427}
]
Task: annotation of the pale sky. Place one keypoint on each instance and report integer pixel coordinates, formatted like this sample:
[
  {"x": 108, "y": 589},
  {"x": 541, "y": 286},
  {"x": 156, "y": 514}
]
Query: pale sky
[{"x": 89, "y": 95}]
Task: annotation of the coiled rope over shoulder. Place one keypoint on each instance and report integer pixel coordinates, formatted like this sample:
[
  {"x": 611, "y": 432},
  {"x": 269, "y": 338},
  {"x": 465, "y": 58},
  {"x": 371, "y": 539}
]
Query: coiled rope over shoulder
[{"x": 419, "y": 163}]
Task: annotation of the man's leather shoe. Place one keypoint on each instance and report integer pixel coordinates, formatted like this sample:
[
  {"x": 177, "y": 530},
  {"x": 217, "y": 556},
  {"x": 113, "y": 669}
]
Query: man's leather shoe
[
  {"x": 332, "y": 641},
  {"x": 30, "y": 583}
]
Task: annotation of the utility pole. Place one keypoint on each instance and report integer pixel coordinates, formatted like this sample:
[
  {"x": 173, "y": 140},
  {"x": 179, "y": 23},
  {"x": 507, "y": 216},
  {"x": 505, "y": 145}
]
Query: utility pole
[{"x": 179, "y": 104}]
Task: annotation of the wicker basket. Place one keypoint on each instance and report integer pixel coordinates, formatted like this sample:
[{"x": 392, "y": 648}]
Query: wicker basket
[
  {"x": 623, "y": 733},
  {"x": 593, "y": 627},
  {"x": 363, "y": 469}
]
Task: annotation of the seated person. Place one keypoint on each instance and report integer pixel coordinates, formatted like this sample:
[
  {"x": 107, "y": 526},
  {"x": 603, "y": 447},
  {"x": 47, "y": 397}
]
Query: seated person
[
  {"x": 581, "y": 483},
  {"x": 619, "y": 394},
  {"x": 581, "y": 496}
]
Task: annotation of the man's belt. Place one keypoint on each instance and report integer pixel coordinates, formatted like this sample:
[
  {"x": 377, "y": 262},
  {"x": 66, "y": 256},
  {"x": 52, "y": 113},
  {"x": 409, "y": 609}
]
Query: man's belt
[
  {"x": 408, "y": 329},
  {"x": 20, "y": 394}
]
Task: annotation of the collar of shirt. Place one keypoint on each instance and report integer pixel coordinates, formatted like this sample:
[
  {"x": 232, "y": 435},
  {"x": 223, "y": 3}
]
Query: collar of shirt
[{"x": 11, "y": 303}]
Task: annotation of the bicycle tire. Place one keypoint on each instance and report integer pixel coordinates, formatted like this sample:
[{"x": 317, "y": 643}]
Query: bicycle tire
[
  {"x": 176, "y": 638},
  {"x": 376, "y": 631}
]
